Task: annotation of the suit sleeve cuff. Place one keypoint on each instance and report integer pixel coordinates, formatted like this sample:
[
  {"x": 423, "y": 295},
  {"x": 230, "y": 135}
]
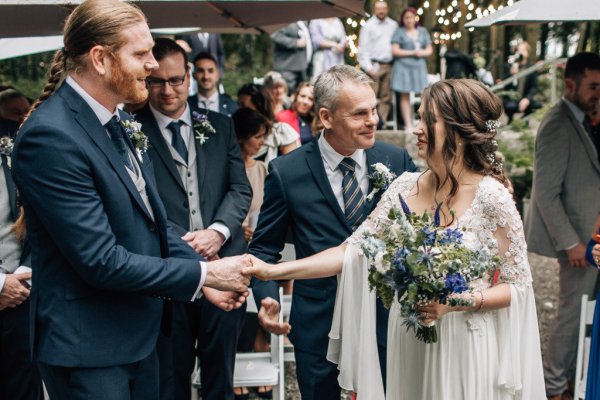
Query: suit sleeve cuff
[
  {"x": 2, "y": 279},
  {"x": 571, "y": 246},
  {"x": 222, "y": 229},
  {"x": 198, "y": 292}
]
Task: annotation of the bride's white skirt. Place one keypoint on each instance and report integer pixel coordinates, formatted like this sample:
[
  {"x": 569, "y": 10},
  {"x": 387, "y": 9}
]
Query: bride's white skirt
[{"x": 491, "y": 355}]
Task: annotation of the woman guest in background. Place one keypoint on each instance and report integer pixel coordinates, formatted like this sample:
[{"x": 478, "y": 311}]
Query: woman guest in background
[
  {"x": 329, "y": 41},
  {"x": 489, "y": 349},
  {"x": 301, "y": 115},
  {"x": 592, "y": 391},
  {"x": 411, "y": 44},
  {"x": 277, "y": 87},
  {"x": 283, "y": 138}
]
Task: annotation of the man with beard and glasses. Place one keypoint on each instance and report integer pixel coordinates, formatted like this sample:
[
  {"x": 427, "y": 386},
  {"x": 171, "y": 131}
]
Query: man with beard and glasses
[
  {"x": 105, "y": 261},
  {"x": 207, "y": 195},
  {"x": 564, "y": 206}
]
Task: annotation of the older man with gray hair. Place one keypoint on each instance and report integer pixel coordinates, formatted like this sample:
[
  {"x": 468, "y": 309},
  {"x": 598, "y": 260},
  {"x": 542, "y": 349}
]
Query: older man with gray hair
[{"x": 319, "y": 193}]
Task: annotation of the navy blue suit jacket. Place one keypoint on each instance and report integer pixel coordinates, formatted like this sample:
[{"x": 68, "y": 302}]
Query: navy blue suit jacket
[
  {"x": 226, "y": 104},
  {"x": 99, "y": 260},
  {"x": 225, "y": 193},
  {"x": 298, "y": 197}
]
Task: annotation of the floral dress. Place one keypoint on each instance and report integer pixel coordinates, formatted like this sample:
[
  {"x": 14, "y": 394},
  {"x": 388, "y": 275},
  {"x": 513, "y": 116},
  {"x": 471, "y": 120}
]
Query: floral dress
[{"x": 491, "y": 355}]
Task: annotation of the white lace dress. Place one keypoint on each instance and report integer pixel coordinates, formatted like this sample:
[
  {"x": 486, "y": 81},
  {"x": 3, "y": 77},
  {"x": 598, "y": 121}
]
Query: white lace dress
[{"x": 489, "y": 355}]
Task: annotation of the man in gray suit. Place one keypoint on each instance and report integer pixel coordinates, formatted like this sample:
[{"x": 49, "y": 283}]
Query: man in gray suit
[
  {"x": 292, "y": 50},
  {"x": 564, "y": 205}
]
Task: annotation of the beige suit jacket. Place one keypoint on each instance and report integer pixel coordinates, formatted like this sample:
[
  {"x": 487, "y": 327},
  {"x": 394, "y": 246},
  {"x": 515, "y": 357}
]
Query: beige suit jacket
[{"x": 565, "y": 197}]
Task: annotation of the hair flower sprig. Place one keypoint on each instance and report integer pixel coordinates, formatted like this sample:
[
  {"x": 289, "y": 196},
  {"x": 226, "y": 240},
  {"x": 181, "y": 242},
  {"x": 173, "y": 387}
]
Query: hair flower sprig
[
  {"x": 203, "y": 130},
  {"x": 381, "y": 177},
  {"x": 133, "y": 129}
]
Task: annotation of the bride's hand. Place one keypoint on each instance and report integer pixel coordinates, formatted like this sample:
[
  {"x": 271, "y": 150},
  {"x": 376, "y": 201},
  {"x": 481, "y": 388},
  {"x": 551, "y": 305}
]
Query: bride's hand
[
  {"x": 260, "y": 269},
  {"x": 433, "y": 312}
]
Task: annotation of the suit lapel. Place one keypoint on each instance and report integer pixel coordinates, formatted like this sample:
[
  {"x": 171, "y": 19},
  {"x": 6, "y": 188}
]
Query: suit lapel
[
  {"x": 160, "y": 145},
  {"x": 589, "y": 146},
  {"x": 315, "y": 164},
  {"x": 90, "y": 124},
  {"x": 10, "y": 186}
]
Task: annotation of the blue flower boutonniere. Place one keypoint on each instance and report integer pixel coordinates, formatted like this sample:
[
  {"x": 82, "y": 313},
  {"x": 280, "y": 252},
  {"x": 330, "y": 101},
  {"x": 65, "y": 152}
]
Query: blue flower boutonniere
[
  {"x": 381, "y": 178},
  {"x": 6, "y": 147},
  {"x": 203, "y": 130},
  {"x": 137, "y": 137}
]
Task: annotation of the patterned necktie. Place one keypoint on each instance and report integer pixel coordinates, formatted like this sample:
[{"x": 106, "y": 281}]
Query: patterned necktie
[
  {"x": 594, "y": 133},
  {"x": 354, "y": 202},
  {"x": 177, "y": 140},
  {"x": 115, "y": 129}
]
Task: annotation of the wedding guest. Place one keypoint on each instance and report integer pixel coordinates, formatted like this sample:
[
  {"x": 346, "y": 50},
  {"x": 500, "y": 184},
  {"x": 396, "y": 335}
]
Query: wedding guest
[
  {"x": 303, "y": 194},
  {"x": 207, "y": 76},
  {"x": 411, "y": 45},
  {"x": 525, "y": 88},
  {"x": 282, "y": 138},
  {"x": 329, "y": 42},
  {"x": 206, "y": 200},
  {"x": 104, "y": 257},
  {"x": 13, "y": 105},
  {"x": 277, "y": 88},
  {"x": 292, "y": 52},
  {"x": 375, "y": 54},
  {"x": 563, "y": 208},
  {"x": 487, "y": 348},
  {"x": 301, "y": 113}
]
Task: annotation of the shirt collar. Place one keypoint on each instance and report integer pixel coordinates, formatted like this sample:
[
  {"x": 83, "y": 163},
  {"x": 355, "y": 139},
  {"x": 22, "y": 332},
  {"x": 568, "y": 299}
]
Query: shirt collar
[
  {"x": 332, "y": 158},
  {"x": 162, "y": 120},
  {"x": 214, "y": 99},
  {"x": 103, "y": 114},
  {"x": 579, "y": 115}
]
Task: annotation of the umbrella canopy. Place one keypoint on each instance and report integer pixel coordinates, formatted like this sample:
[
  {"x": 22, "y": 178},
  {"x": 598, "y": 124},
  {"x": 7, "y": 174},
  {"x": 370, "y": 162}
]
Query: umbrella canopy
[
  {"x": 46, "y": 17},
  {"x": 538, "y": 11}
]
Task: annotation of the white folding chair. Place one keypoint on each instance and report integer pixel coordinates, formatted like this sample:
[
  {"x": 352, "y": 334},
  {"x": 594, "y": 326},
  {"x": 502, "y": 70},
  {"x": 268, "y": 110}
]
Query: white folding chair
[
  {"x": 265, "y": 368},
  {"x": 583, "y": 348}
]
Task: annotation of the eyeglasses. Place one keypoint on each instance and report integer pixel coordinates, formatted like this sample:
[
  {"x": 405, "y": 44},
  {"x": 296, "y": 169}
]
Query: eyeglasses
[{"x": 157, "y": 82}]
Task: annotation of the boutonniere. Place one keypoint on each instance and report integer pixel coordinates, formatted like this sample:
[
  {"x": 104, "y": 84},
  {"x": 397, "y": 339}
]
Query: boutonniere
[
  {"x": 137, "y": 137},
  {"x": 381, "y": 177},
  {"x": 203, "y": 130},
  {"x": 6, "y": 147}
]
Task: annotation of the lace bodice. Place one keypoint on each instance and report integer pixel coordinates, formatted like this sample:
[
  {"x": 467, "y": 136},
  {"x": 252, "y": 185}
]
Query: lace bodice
[{"x": 492, "y": 222}]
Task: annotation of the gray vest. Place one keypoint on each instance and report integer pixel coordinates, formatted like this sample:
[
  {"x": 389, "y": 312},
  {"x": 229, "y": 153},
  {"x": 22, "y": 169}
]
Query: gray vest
[
  {"x": 10, "y": 248},
  {"x": 139, "y": 182}
]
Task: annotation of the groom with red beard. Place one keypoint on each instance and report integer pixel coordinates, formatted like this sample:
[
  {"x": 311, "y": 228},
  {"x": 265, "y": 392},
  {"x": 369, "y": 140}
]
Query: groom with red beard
[{"x": 104, "y": 258}]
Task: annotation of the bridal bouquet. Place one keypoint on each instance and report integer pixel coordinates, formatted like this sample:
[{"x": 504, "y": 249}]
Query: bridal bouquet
[{"x": 416, "y": 261}]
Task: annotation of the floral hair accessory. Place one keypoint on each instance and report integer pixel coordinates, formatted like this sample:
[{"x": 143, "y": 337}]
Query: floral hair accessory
[
  {"x": 202, "y": 127},
  {"x": 491, "y": 125},
  {"x": 137, "y": 137},
  {"x": 6, "y": 146},
  {"x": 381, "y": 178}
]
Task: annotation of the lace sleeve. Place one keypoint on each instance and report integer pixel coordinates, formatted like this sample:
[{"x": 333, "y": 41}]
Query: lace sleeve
[
  {"x": 507, "y": 230},
  {"x": 401, "y": 185}
]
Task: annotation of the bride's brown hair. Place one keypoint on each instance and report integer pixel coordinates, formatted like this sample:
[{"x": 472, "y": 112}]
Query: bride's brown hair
[{"x": 470, "y": 112}]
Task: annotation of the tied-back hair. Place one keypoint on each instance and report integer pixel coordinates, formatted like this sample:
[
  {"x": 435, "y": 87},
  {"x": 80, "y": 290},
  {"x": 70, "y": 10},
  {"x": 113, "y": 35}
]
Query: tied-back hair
[
  {"x": 466, "y": 108},
  {"x": 260, "y": 98},
  {"x": 93, "y": 22}
]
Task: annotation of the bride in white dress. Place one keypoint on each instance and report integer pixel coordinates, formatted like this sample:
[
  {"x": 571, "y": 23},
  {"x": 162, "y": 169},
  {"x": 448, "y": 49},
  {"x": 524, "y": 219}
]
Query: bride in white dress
[{"x": 487, "y": 351}]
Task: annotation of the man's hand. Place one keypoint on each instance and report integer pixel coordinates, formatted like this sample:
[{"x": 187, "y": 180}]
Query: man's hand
[
  {"x": 268, "y": 317},
  {"x": 206, "y": 242},
  {"x": 248, "y": 232},
  {"x": 226, "y": 301},
  {"x": 226, "y": 274},
  {"x": 577, "y": 256},
  {"x": 523, "y": 104},
  {"x": 301, "y": 43},
  {"x": 15, "y": 290}
]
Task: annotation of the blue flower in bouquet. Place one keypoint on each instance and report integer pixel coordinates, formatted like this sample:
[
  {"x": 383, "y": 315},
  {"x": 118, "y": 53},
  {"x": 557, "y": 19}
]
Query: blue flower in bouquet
[
  {"x": 456, "y": 283},
  {"x": 399, "y": 259},
  {"x": 430, "y": 236},
  {"x": 373, "y": 246},
  {"x": 451, "y": 236}
]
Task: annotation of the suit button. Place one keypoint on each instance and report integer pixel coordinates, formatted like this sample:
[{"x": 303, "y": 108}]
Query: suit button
[
  {"x": 186, "y": 204},
  {"x": 189, "y": 174},
  {"x": 193, "y": 212},
  {"x": 152, "y": 228}
]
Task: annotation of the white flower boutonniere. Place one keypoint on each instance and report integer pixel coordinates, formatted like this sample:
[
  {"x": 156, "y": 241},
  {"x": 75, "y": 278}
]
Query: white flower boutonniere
[
  {"x": 6, "y": 147},
  {"x": 381, "y": 177},
  {"x": 137, "y": 137},
  {"x": 202, "y": 128}
]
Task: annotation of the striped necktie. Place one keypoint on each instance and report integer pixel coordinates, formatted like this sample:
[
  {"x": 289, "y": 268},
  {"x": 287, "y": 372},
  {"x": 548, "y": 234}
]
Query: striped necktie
[
  {"x": 354, "y": 202},
  {"x": 177, "y": 140}
]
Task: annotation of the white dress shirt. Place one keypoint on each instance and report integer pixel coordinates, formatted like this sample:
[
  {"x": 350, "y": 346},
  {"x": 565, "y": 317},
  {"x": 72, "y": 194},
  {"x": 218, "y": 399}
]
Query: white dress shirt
[
  {"x": 375, "y": 42},
  {"x": 332, "y": 159},
  {"x": 210, "y": 103},
  {"x": 104, "y": 115}
]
